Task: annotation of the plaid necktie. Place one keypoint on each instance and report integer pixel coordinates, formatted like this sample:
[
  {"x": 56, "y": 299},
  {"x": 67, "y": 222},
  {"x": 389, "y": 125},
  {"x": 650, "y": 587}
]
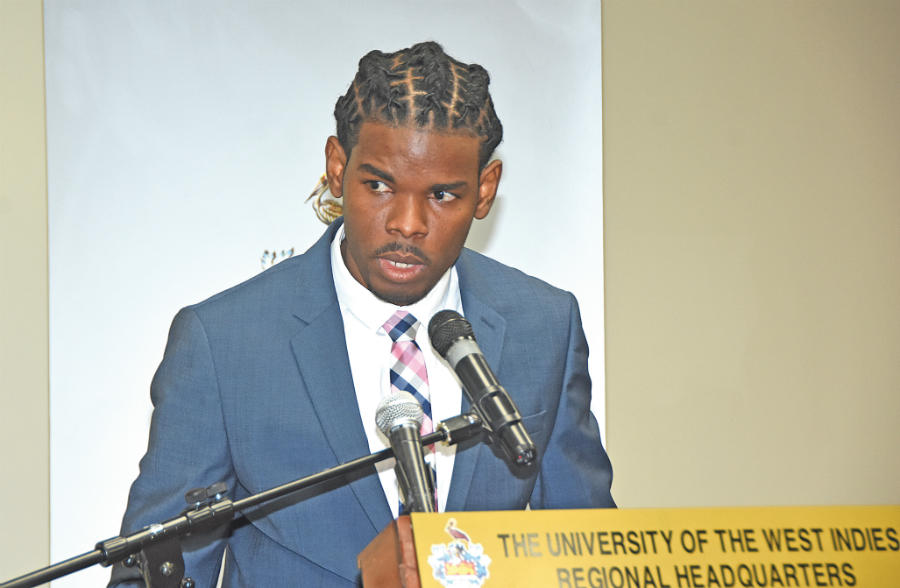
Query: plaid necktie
[{"x": 408, "y": 373}]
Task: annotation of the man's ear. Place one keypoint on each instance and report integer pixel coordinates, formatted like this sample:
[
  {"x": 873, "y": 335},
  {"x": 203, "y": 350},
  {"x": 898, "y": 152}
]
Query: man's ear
[
  {"x": 488, "y": 182},
  {"x": 335, "y": 162}
]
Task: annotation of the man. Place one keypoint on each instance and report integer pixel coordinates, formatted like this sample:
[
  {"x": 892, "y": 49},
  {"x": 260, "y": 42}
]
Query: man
[{"x": 279, "y": 377}]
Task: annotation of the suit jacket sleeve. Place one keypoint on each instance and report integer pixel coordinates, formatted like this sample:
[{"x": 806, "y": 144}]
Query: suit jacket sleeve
[
  {"x": 575, "y": 470},
  {"x": 188, "y": 447}
]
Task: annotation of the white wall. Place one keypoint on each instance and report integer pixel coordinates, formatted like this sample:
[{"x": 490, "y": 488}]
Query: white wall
[{"x": 182, "y": 141}]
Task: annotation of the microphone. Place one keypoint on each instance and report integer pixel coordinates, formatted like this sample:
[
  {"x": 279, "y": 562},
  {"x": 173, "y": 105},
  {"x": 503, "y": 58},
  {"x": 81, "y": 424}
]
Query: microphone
[
  {"x": 399, "y": 417},
  {"x": 452, "y": 337}
]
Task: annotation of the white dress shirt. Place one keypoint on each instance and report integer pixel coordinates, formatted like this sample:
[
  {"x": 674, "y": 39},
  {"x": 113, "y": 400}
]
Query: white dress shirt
[{"x": 369, "y": 348}]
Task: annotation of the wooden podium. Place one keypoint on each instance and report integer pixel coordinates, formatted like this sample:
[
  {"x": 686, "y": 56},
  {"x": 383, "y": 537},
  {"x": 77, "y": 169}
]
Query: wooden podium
[
  {"x": 390, "y": 559},
  {"x": 662, "y": 548}
]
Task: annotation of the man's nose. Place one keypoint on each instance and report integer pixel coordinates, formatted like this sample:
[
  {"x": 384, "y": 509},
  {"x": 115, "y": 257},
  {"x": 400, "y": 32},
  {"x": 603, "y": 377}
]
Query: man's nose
[{"x": 408, "y": 215}]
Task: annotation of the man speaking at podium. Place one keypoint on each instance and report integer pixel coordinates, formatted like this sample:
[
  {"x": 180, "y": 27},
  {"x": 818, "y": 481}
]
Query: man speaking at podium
[{"x": 279, "y": 377}]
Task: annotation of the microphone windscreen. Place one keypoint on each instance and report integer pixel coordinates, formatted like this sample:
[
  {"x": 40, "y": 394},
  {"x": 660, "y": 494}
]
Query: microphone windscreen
[
  {"x": 445, "y": 327},
  {"x": 398, "y": 409}
]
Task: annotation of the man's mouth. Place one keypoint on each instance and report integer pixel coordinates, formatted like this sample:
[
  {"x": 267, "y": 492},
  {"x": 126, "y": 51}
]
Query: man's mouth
[
  {"x": 400, "y": 264},
  {"x": 402, "y": 261},
  {"x": 401, "y": 268}
]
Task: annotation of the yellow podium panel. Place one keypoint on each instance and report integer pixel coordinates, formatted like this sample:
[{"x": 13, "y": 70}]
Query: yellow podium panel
[{"x": 754, "y": 547}]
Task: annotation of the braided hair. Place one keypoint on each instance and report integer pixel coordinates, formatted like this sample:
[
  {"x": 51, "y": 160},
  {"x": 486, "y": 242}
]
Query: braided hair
[{"x": 421, "y": 86}]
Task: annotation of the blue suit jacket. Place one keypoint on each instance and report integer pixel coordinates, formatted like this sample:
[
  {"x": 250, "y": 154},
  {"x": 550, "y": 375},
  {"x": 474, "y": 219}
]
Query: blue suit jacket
[{"x": 255, "y": 390}]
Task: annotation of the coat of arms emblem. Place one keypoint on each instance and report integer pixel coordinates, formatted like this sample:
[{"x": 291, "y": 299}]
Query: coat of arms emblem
[{"x": 459, "y": 562}]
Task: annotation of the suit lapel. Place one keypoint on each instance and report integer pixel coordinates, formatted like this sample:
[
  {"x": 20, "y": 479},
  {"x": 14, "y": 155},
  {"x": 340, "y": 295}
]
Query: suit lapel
[
  {"x": 490, "y": 328},
  {"x": 320, "y": 350}
]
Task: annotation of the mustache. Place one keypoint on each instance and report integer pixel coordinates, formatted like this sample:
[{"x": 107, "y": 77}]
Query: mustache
[{"x": 396, "y": 246}]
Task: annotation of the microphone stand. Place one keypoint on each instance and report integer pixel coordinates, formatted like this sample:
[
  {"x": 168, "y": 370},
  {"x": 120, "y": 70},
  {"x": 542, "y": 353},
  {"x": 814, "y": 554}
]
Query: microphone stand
[{"x": 156, "y": 548}]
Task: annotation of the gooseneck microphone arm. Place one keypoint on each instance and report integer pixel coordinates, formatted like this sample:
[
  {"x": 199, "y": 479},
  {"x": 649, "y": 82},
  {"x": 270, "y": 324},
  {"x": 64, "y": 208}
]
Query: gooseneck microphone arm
[
  {"x": 157, "y": 548},
  {"x": 453, "y": 338}
]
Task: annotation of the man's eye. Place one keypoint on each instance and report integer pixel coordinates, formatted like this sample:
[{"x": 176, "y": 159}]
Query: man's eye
[
  {"x": 443, "y": 195},
  {"x": 377, "y": 186}
]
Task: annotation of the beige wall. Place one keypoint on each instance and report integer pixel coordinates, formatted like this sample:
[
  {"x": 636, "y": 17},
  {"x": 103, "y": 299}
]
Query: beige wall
[
  {"x": 24, "y": 420},
  {"x": 752, "y": 208},
  {"x": 752, "y": 257}
]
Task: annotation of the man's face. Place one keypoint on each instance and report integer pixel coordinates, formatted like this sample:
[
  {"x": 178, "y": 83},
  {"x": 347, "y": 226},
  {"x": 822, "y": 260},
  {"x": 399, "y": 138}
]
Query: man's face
[{"x": 409, "y": 197}]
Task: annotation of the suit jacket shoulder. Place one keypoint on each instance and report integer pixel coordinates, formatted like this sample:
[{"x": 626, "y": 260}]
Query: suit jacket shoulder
[
  {"x": 483, "y": 272},
  {"x": 530, "y": 309}
]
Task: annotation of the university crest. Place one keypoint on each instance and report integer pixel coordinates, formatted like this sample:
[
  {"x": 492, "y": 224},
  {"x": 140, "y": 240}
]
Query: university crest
[{"x": 459, "y": 562}]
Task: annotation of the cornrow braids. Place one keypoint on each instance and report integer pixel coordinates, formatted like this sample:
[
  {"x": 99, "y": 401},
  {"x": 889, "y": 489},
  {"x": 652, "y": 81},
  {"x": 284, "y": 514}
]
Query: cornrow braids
[{"x": 421, "y": 86}]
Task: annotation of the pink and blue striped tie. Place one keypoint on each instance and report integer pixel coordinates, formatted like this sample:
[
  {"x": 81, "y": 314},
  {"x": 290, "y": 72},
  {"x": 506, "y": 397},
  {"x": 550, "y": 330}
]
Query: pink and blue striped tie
[{"x": 408, "y": 371}]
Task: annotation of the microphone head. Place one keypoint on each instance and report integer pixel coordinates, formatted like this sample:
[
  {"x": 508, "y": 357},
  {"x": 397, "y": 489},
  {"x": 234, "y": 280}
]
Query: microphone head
[
  {"x": 396, "y": 410},
  {"x": 447, "y": 326}
]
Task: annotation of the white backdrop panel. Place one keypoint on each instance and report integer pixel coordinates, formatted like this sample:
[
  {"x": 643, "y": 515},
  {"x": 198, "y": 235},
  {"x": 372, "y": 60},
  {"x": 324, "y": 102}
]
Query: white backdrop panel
[{"x": 182, "y": 140}]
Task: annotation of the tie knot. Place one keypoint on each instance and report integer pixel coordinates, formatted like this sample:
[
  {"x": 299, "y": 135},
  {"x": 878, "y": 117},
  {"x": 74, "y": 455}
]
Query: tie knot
[{"x": 402, "y": 326}]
